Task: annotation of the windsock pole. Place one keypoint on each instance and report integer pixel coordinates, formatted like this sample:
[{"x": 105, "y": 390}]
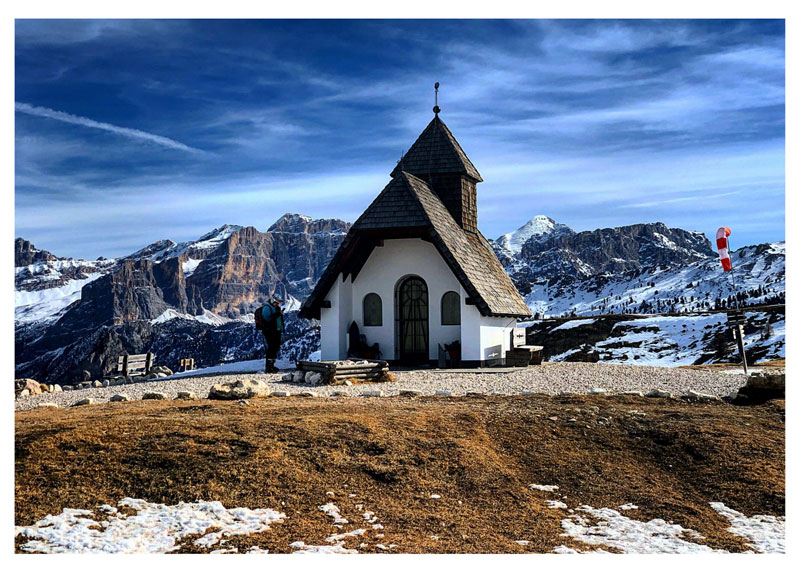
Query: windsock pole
[{"x": 737, "y": 321}]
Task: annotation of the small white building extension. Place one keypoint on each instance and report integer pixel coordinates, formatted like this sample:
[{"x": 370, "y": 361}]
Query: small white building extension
[{"x": 414, "y": 273}]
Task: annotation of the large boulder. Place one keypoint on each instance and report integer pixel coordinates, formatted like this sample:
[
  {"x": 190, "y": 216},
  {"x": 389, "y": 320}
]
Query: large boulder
[
  {"x": 763, "y": 385},
  {"x": 33, "y": 387},
  {"x": 238, "y": 390},
  {"x": 767, "y": 381}
]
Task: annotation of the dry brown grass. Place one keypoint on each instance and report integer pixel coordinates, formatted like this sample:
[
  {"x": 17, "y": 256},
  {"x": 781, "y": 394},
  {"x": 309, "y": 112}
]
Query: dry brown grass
[
  {"x": 772, "y": 364},
  {"x": 479, "y": 454}
]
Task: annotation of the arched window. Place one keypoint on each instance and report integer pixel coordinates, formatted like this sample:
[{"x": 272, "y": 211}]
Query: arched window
[
  {"x": 451, "y": 309},
  {"x": 373, "y": 309}
]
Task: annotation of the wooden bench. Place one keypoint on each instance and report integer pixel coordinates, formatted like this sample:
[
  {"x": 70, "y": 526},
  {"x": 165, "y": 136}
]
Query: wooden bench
[
  {"x": 335, "y": 372},
  {"x": 186, "y": 365},
  {"x": 135, "y": 365}
]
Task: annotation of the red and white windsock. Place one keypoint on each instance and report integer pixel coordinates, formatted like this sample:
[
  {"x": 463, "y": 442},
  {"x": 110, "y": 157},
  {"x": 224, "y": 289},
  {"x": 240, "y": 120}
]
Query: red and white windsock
[{"x": 722, "y": 247}]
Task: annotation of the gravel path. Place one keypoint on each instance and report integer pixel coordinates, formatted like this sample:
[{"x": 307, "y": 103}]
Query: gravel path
[{"x": 549, "y": 378}]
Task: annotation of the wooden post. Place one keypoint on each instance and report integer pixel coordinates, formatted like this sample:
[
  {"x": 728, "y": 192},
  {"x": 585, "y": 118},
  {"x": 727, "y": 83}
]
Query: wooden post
[
  {"x": 148, "y": 362},
  {"x": 125, "y": 364},
  {"x": 740, "y": 342},
  {"x": 736, "y": 320}
]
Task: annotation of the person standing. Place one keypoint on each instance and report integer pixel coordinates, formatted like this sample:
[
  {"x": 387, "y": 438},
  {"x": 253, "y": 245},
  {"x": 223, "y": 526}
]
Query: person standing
[{"x": 269, "y": 320}]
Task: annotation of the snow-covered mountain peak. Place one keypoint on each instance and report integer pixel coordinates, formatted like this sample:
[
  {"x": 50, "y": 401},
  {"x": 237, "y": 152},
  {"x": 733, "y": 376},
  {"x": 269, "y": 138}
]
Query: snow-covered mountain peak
[
  {"x": 541, "y": 227},
  {"x": 216, "y": 236},
  {"x": 155, "y": 251}
]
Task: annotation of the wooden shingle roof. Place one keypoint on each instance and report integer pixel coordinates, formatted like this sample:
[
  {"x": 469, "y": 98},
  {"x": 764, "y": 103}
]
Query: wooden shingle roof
[
  {"x": 436, "y": 151},
  {"x": 408, "y": 207},
  {"x": 470, "y": 257}
]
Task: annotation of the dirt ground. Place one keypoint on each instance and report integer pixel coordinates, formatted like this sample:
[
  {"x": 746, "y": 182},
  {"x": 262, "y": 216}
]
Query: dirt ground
[
  {"x": 671, "y": 458},
  {"x": 774, "y": 364}
]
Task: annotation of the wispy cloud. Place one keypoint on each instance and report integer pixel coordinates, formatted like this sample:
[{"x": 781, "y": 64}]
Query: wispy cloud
[
  {"x": 593, "y": 122},
  {"x": 89, "y": 123}
]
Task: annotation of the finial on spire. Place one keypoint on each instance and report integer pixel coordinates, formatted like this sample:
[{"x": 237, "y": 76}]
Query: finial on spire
[{"x": 436, "y": 108}]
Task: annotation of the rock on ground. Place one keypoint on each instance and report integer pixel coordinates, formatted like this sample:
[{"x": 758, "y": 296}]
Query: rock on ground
[
  {"x": 152, "y": 395},
  {"x": 185, "y": 395},
  {"x": 237, "y": 390}
]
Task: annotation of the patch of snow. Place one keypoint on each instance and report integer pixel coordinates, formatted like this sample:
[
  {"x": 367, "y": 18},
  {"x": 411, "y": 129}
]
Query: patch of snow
[
  {"x": 333, "y": 511},
  {"x": 190, "y": 265},
  {"x": 154, "y": 528},
  {"x": 340, "y": 536},
  {"x": 303, "y": 548},
  {"x": 611, "y": 528},
  {"x": 550, "y": 488},
  {"x": 573, "y": 323},
  {"x": 211, "y": 318},
  {"x": 555, "y": 505},
  {"x": 169, "y": 314},
  {"x": 251, "y": 366},
  {"x": 292, "y": 304},
  {"x": 767, "y": 534},
  {"x": 207, "y": 317}
]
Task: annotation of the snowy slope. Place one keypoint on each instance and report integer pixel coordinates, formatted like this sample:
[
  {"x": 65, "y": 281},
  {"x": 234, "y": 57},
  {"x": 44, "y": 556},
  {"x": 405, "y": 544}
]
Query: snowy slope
[
  {"x": 42, "y": 290},
  {"x": 660, "y": 340},
  {"x": 759, "y": 270}
]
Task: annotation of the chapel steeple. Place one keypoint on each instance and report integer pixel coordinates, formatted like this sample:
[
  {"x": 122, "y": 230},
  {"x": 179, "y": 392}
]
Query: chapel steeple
[{"x": 438, "y": 158}]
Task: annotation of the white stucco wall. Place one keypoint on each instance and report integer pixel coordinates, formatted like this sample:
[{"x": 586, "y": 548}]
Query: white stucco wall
[
  {"x": 481, "y": 337},
  {"x": 386, "y": 266},
  {"x": 484, "y": 338}
]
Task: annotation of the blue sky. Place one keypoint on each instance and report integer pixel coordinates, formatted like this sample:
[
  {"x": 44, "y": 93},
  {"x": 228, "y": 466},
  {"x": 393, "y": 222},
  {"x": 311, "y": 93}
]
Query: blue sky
[{"x": 133, "y": 131}]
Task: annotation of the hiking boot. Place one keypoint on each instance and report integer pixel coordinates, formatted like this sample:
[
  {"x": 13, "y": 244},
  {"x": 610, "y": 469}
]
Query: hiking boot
[{"x": 271, "y": 368}]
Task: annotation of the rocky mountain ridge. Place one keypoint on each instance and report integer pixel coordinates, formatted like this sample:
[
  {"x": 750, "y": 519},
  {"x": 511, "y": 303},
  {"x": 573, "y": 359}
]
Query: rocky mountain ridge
[
  {"x": 196, "y": 298},
  {"x": 68, "y": 321},
  {"x": 568, "y": 255},
  {"x": 25, "y": 253}
]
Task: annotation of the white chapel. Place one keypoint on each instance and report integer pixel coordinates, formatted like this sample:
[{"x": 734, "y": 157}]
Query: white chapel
[{"x": 414, "y": 273}]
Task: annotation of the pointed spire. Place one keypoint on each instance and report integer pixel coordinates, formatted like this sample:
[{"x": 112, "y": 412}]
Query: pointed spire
[{"x": 436, "y": 151}]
